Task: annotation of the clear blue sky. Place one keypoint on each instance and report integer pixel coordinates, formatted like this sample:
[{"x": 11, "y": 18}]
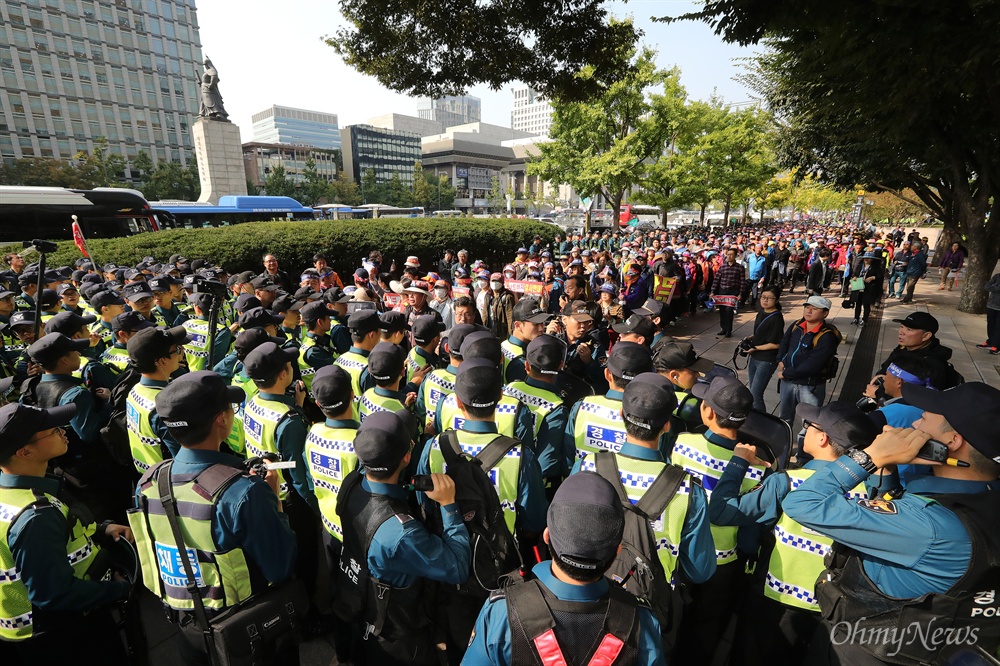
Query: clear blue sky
[{"x": 271, "y": 52}]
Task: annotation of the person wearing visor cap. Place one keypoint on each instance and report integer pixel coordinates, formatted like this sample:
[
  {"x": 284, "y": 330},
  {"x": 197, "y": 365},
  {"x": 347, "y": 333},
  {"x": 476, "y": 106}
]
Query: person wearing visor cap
[
  {"x": 725, "y": 405},
  {"x": 440, "y": 382},
  {"x": 585, "y": 526},
  {"x": 924, "y": 543},
  {"x": 387, "y": 367},
  {"x": 57, "y": 590},
  {"x": 780, "y": 617},
  {"x": 73, "y": 326},
  {"x": 123, "y": 327},
  {"x": 388, "y": 555},
  {"x": 229, "y": 516},
  {"x": 516, "y": 474},
  {"x": 529, "y": 319}
]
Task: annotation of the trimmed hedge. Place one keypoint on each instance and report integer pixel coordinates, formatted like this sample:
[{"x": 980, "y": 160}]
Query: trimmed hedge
[{"x": 241, "y": 247}]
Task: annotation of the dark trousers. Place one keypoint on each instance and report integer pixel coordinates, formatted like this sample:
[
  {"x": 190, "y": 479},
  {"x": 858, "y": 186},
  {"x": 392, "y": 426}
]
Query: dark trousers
[
  {"x": 993, "y": 328},
  {"x": 306, "y": 525},
  {"x": 332, "y": 548},
  {"x": 706, "y": 617},
  {"x": 66, "y": 639},
  {"x": 769, "y": 633},
  {"x": 859, "y": 303},
  {"x": 726, "y": 315}
]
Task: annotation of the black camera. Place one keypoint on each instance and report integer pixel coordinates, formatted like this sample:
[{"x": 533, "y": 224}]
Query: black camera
[
  {"x": 745, "y": 345},
  {"x": 216, "y": 289},
  {"x": 868, "y": 405},
  {"x": 422, "y": 482},
  {"x": 41, "y": 245}
]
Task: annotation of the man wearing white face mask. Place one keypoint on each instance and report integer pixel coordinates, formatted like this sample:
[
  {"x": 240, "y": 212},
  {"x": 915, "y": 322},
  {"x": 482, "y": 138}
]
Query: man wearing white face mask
[
  {"x": 500, "y": 308},
  {"x": 442, "y": 303}
]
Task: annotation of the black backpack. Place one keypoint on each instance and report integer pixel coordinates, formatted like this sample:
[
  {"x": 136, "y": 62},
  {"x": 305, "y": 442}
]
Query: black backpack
[
  {"x": 494, "y": 551},
  {"x": 637, "y": 567},
  {"x": 115, "y": 433}
]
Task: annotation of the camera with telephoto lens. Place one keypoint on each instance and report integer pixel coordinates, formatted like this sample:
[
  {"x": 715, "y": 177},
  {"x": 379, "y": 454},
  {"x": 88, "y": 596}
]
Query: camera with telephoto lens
[
  {"x": 745, "y": 345},
  {"x": 216, "y": 289},
  {"x": 868, "y": 405}
]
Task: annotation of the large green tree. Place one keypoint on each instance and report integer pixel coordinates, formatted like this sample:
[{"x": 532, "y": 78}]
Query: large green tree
[
  {"x": 278, "y": 184},
  {"x": 887, "y": 95},
  {"x": 316, "y": 189}
]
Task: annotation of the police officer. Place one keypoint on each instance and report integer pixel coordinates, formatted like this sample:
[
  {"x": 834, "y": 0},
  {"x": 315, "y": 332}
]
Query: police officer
[
  {"x": 441, "y": 382},
  {"x": 315, "y": 351},
  {"x": 124, "y": 327},
  {"x": 164, "y": 306},
  {"x": 340, "y": 335},
  {"x": 107, "y": 305},
  {"x": 781, "y": 613},
  {"x": 678, "y": 362},
  {"x": 230, "y": 516},
  {"x": 386, "y": 365},
  {"x": 915, "y": 548},
  {"x": 637, "y": 329},
  {"x": 393, "y": 327},
  {"x": 196, "y": 351},
  {"x": 28, "y": 282},
  {"x": 54, "y": 595},
  {"x": 75, "y": 327},
  {"x": 257, "y": 317},
  {"x": 388, "y": 554},
  {"x": 529, "y": 322},
  {"x": 426, "y": 331},
  {"x": 598, "y": 621},
  {"x": 156, "y": 353},
  {"x": 140, "y": 299},
  {"x": 364, "y": 327},
  {"x": 22, "y": 323}
]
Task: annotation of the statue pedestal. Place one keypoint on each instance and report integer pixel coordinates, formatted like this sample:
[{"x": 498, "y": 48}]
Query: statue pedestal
[{"x": 220, "y": 159}]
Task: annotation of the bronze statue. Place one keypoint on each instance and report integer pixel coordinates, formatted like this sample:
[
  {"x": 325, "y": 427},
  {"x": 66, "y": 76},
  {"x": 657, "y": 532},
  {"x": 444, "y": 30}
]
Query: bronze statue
[{"x": 211, "y": 98}]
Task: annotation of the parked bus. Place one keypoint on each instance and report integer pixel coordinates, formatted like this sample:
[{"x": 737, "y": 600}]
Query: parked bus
[
  {"x": 27, "y": 213},
  {"x": 447, "y": 213},
  {"x": 231, "y": 210},
  {"x": 632, "y": 215},
  {"x": 384, "y": 210}
]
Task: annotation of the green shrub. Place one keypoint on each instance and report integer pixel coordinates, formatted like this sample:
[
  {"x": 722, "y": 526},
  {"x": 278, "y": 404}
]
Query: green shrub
[{"x": 241, "y": 247}]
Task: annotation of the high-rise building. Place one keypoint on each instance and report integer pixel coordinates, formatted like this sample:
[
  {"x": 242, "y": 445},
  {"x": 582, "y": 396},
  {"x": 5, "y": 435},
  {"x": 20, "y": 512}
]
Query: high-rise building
[
  {"x": 451, "y": 110},
  {"x": 411, "y": 124},
  {"x": 531, "y": 112},
  {"x": 260, "y": 158},
  {"x": 283, "y": 124},
  {"x": 385, "y": 152},
  {"x": 77, "y": 70}
]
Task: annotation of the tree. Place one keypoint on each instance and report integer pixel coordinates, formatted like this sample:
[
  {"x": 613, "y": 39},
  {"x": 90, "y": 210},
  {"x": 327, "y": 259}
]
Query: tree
[
  {"x": 496, "y": 201},
  {"x": 424, "y": 188},
  {"x": 316, "y": 189},
  {"x": 371, "y": 190},
  {"x": 170, "y": 180},
  {"x": 895, "y": 209},
  {"x": 277, "y": 184},
  {"x": 345, "y": 190},
  {"x": 102, "y": 165},
  {"x": 889, "y": 96},
  {"x": 397, "y": 193},
  {"x": 141, "y": 167},
  {"x": 425, "y": 48},
  {"x": 445, "y": 193},
  {"x": 47, "y": 172},
  {"x": 661, "y": 178},
  {"x": 600, "y": 146}
]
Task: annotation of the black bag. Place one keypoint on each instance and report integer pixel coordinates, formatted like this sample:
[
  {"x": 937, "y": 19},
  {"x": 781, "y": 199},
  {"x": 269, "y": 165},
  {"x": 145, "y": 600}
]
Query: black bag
[
  {"x": 115, "y": 433},
  {"x": 494, "y": 551},
  {"x": 257, "y": 629},
  {"x": 637, "y": 567}
]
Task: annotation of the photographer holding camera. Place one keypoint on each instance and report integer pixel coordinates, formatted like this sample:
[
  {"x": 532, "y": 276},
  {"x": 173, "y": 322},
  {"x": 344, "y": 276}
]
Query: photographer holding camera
[{"x": 762, "y": 346}]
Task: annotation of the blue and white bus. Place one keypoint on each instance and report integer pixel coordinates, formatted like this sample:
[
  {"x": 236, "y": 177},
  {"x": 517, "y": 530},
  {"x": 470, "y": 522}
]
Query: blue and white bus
[{"x": 231, "y": 210}]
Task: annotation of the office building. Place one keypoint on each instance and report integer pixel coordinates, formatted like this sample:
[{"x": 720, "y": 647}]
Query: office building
[
  {"x": 451, "y": 110},
  {"x": 531, "y": 112},
  {"x": 386, "y": 152},
  {"x": 410, "y": 124},
  {"x": 77, "y": 70},
  {"x": 283, "y": 124},
  {"x": 259, "y": 159}
]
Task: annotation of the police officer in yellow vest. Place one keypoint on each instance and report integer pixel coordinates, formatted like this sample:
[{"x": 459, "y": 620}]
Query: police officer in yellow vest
[
  {"x": 53, "y": 598},
  {"x": 232, "y": 519},
  {"x": 677, "y": 361},
  {"x": 386, "y": 365},
  {"x": 51, "y": 305},
  {"x": 107, "y": 305},
  {"x": 725, "y": 406},
  {"x": 595, "y": 423},
  {"x": 75, "y": 327},
  {"x": 196, "y": 351},
  {"x": 441, "y": 382},
  {"x": 529, "y": 322},
  {"x": 364, "y": 326},
  {"x": 156, "y": 353},
  {"x": 315, "y": 352},
  {"x": 781, "y": 614},
  {"x": 427, "y": 331},
  {"x": 517, "y": 477},
  {"x": 124, "y": 326}
]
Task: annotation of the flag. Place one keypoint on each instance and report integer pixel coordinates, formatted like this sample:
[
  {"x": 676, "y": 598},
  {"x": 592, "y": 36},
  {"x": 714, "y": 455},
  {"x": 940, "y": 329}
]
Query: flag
[
  {"x": 663, "y": 288},
  {"x": 78, "y": 239}
]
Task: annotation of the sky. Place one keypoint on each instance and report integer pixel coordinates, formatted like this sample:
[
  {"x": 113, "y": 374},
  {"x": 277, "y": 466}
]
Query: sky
[{"x": 271, "y": 52}]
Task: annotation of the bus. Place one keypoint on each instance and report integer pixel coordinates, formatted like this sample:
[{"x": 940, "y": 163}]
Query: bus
[
  {"x": 447, "y": 213},
  {"x": 633, "y": 215},
  {"x": 231, "y": 210},
  {"x": 27, "y": 213},
  {"x": 384, "y": 210}
]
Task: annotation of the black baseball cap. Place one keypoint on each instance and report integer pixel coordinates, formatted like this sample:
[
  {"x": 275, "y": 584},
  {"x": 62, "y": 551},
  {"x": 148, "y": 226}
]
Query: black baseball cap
[
  {"x": 27, "y": 278},
  {"x": 307, "y": 293},
  {"x": 152, "y": 343},
  {"x": 383, "y": 440},
  {"x": 202, "y": 300},
  {"x": 727, "y": 397},
  {"x": 48, "y": 298},
  {"x": 425, "y": 328},
  {"x": 457, "y": 335},
  {"x": 386, "y": 361},
  {"x": 393, "y": 321},
  {"x": 22, "y": 318},
  {"x": 335, "y": 295},
  {"x": 245, "y": 302},
  {"x": 528, "y": 309},
  {"x": 648, "y": 401},
  {"x": 130, "y": 321},
  {"x": 586, "y": 521},
  {"x": 251, "y": 338},
  {"x": 364, "y": 321},
  {"x": 6, "y": 293},
  {"x": 286, "y": 303},
  {"x": 628, "y": 360},
  {"x": 546, "y": 354},
  {"x": 970, "y": 408},
  {"x": 577, "y": 310},
  {"x": 162, "y": 283},
  {"x": 68, "y": 323},
  {"x": 52, "y": 347},
  {"x": 264, "y": 283},
  {"x": 194, "y": 399},
  {"x": 259, "y": 316},
  {"x": 20, "y": 423},
  {"x": 481, "y": 344},
  {"x": 923, "y": 321},
  {"x": 244, "y": 277},
  {"x": 313, "y": 312},
  {"x": 651, "y": 308},
  {"x": 675, "y": 355},
  {"x": 268, "y": 359},
  {"x": 842, "y": 421},
  {"x": 103, "y": 298},
  {"x": 478, "y": 383},
  {"x": 64, "y": 287},
  {"x": 332, "y": 388},
  {"x": 637, "y": 324},
  {"x": 136, "y": 291}
]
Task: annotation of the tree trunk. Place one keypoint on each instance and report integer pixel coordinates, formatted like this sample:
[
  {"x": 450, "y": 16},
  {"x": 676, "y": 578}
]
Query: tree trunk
[
  {"x": 701, "y": 219},
  {"x": 725, "y": 215},
  {"x": 984, "y": 250},
  {"x": 949, "y": 234}
]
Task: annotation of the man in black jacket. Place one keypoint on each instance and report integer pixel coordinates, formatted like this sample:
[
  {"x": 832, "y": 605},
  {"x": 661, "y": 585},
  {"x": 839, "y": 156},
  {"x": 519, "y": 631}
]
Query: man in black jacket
[
  {"x": 820, "y": 273},
  {"x": 917, "y": 339}
]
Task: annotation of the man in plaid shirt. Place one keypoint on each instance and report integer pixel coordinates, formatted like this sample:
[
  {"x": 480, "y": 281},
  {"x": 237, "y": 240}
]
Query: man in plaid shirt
[{"x": 730, "y": 280}]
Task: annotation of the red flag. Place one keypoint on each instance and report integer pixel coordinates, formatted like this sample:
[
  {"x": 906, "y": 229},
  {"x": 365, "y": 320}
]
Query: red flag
[{"x": 78, "y": 239}]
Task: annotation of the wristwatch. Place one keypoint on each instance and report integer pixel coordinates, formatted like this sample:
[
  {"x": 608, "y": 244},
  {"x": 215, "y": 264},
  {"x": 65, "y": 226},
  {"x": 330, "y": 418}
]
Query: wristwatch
[{"x": 863, "y": 459}]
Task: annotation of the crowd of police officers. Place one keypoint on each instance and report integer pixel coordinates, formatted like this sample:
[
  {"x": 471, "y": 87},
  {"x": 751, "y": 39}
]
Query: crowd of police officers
[{"x": 861, "y": 553}]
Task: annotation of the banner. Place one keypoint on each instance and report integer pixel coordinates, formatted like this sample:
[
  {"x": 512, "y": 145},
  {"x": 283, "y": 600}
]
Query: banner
[
  {"x": 78, "y": 238},
  {"x": 726, "y": 301},
  {"x": 663, "y": 288},
  {"x": 529, "y": 287},
  {"x": 392, "y": 300},
  {"x": 460, "y": 291}
]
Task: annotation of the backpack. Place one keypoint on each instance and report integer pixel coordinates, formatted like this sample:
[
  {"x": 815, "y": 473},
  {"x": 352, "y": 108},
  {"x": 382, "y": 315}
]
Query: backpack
[
  {"x": 637, "y": 566},
  {"x": 494, "y": 551},
  {"x": 828, "y": 371},
  {"x": 115, "y": 433}
]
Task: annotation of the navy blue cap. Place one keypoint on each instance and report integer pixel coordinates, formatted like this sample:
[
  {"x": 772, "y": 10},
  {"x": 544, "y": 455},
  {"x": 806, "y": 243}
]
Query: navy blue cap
[
  {"x": 457, "y": 335},
  {"x": 251, "y": 338},
  {"x": 383, "y": 440},
  {"x": 52, "y": 347},
  {"x": 245, "y": 302},
  {"x": 259, "y": 316},
  {"x": 648, "y": 402},
  {"x": 104, "y": 298},
  {"x": 313, "y": 312},
  {"x": 482, "y": 344},
  {"x": 335, "y": 295},
  {"x": 478, "y": 383},
  {"x": 364, "y": 321},
  {"x": 426, "y": 328},
  {"x": 150, "y": 344},
  {"x": 68, "y": 323},
  {"x": 20, "y": 423},
  {"x": 332, "y": 388},
  {"x": 969, "y": 408},
  {"x": 130, "y": 321},
  {"x": 195, "y": 398},
  {"x": 22, "y": 318},
  {"x": 546, "y": 354},
  {"x": 393, "y": 321},
  {"x": 628, "y": 360},
  {"x": 586, "y": 521},
  {"x": 386, "y": 361},
  {"x": 727, "y": 397},
  {"x": 268, "y": 359}
]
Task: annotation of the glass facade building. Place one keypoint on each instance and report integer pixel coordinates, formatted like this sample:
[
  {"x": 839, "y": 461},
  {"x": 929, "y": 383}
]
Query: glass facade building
[
  {"x": 532, "y": 113},
  {"x": 384, "y": 151},
  {"x": 282, "y": 124},
  {"x": 260, "y": 158},
  {"x": 77, "y": 70},
  {"x": 451, "y": 111}
]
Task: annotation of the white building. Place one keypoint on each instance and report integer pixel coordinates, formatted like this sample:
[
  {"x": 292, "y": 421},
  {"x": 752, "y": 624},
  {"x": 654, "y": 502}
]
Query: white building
[{"x": 531, "y": 113}]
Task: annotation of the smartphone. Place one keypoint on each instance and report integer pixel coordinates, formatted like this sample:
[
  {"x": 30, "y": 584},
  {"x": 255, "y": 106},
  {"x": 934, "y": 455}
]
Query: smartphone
[{"x": 934, "y": 451}]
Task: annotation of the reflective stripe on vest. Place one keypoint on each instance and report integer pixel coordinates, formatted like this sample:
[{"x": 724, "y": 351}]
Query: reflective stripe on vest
[
  {"x": 510, "y": 351},
  {"x": 196, "y": 351},
  {"x": 116, "y": 357},
  {"x": 260, "y": 426},
  {"x": 505, "y": 415},
  {"x": 330, "y": 452},
  {"x": 797, "y": 558},
  {"x": 505, "y": 475},
  {"x": 436, "y": 385},
  {"x": 142, "y": 440},
  {"x": 414, "y": 362},
  {"x": 354, "y": 364},
  {"x": 15, "y": 606},
  {"x": 599, "y": 425},
  {"x": 705, "y": 460},
  {"x": 306, "y": 370},
  {"x": 539, "y": 402}
]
